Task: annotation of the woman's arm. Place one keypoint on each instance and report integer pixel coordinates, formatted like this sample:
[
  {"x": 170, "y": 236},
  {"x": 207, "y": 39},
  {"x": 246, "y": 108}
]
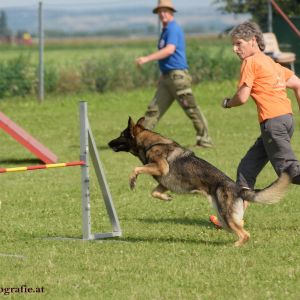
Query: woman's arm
[
  {"x": 294, "y": 83},
  {"x": 240, "y": 97}
]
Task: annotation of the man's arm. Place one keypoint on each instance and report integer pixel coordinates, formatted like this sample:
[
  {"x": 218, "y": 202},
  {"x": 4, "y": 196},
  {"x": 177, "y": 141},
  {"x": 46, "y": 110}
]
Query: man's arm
[
  {"x": 294, "y": 83},
  {"x": 240, "y": 97},
  {"x": 158, "y": 55}
]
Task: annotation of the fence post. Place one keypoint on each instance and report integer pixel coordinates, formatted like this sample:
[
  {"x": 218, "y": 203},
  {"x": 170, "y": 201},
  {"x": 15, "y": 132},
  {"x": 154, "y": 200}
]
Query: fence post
[
  {"x": 270, "y": 17},
  {"x": 41, "y": 54}
]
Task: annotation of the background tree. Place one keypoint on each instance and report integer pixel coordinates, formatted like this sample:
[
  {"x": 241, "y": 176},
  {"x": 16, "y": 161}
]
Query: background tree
[
  {"x": 259, "y": 8},
  {"x": 5, "y": 32}
]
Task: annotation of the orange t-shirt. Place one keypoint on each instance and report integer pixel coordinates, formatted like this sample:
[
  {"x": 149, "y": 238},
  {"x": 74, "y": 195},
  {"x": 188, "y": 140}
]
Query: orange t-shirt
[{"x": 267, "y": 80}]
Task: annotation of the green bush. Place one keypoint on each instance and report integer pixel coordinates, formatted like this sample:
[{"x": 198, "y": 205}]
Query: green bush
[
  {"x": 17, "y": 77},
  {"x": 117, "y": 71},
  {"x": 216, "y": 66},
  {"x": 69, "y": 81},
  {"x": 50, "y": 78},
  {"x": 113, "y": 68}
]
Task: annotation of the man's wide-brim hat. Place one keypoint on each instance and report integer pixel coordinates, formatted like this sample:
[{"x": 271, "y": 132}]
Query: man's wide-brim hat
[{"x": 164, "y": 4}]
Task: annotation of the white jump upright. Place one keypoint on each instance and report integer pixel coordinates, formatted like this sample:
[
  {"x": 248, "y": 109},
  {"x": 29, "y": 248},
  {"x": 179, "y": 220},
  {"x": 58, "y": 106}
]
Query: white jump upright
[{"x": 88, "y": 148}]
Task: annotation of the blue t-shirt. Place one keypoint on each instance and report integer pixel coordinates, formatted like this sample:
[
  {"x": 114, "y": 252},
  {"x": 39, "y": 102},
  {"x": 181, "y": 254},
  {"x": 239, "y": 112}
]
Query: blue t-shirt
[{"x": 173, "y": 34}]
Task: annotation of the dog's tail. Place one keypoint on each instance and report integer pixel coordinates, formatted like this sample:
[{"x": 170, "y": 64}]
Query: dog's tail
[{"x": 270, "y": 194}]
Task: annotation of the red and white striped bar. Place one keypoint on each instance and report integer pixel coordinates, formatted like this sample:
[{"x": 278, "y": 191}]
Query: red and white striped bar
[{"x": 46, "y": 166}]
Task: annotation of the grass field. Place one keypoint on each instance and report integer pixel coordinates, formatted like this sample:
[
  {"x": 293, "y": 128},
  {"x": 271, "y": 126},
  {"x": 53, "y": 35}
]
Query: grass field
[
  {"x": 64, "y": 53},
  {"x": 168, "y": 250}
]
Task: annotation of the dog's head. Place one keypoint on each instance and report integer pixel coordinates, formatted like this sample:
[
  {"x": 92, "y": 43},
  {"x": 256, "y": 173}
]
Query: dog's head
[{"x": 127, "y": 139}]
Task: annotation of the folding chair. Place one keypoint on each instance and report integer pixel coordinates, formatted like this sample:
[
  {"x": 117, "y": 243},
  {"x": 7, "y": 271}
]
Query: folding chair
[{"x": 272, "y": 49}]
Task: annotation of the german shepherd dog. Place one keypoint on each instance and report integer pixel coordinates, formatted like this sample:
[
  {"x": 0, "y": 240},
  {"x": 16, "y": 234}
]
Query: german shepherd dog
[{"x": 177, "y": 169}]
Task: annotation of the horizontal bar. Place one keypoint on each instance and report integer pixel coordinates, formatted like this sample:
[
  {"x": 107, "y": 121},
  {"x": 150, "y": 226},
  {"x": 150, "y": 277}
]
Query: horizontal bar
[{"x": 46, "y": 166}]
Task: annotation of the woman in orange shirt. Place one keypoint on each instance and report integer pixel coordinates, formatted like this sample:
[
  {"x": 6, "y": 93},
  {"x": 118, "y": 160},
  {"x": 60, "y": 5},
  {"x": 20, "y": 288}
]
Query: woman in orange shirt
[{"x": 266, "y": 82}]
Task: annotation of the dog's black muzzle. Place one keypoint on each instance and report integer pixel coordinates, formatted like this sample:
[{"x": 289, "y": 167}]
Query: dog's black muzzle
[{"x": 119, "y": 144}]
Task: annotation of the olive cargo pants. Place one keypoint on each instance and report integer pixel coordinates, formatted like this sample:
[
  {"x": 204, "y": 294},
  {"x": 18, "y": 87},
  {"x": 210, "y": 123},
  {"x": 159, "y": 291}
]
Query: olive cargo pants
[{"x": 177, "y": 85}]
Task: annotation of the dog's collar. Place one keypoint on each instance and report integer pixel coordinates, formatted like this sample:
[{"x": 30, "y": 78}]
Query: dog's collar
[{"x": 155, "y": 144}]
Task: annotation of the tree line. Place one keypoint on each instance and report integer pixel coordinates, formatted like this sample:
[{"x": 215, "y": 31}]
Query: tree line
[{"x": 259, "y": 8}]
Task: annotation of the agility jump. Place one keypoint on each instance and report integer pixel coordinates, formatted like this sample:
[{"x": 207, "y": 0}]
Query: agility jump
[
  {"x": 25, "y": 139},
  {"x": 87, "y": 148},
  {"x": 39, "y": 167}
]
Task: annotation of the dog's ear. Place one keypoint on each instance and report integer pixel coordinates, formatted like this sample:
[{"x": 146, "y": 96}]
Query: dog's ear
[
  {"x": 131, "y": 126},
  {"x": 130, "y": 122},
  {"x": 135, "y": 129},
  {"x": 141, "y": 121}
]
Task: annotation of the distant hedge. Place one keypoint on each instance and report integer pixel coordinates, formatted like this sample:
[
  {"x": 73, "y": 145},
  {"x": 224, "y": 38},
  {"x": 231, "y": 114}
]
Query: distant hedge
[{"x": 18, "y": 76}]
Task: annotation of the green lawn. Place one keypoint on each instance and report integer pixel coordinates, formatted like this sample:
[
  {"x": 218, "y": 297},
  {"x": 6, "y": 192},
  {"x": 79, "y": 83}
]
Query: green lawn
[
  {"x": 68, "y": 53},
  {"x": 168, "y": 250}
]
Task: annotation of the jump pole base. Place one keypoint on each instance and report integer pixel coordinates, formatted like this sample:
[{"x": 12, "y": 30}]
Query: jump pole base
[
  {"x": 93, "y": 237},
  {"x": 88, "y": 148}
]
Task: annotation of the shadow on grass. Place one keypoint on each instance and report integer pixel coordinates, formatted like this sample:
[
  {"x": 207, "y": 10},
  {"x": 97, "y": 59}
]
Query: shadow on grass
[
  {"x": 195, "y": 239},
  {"x": 168, "y": 239},
  {"x": 15, "y": 161},
  {"x": 128, "y": 239},
  {"x": 182, "y": 221}
]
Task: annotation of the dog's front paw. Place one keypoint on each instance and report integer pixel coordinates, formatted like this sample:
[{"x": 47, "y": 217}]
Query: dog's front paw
[
  {"x": 166, "y": 197},
  {"x": 161, "y": 196},
  {"x": 132, "y": 182}
]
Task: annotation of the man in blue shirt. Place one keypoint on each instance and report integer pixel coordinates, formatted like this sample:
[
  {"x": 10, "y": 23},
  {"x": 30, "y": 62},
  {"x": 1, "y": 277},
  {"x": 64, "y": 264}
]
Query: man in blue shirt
[{"x": 175, "y": 81}]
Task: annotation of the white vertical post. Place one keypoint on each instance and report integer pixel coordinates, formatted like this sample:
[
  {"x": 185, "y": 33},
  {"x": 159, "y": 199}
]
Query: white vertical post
[
  {"x": 41, "y": 54},
  {"x": 158, "y": 33},
  {"x": 270, "y": 17},
  {"x": 85, "y": 180}
]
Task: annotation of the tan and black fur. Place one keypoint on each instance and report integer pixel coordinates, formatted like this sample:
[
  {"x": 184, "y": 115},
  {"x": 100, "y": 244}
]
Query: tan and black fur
[{"x": 177, "y": 169}]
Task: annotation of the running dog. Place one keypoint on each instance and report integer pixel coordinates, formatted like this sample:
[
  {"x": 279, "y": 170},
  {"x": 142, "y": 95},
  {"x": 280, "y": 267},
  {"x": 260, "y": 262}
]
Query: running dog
[{"x": 177, "y": 169}]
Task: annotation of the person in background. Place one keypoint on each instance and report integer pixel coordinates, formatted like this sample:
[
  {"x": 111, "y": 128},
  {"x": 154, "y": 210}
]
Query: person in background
[
  {"x": 266, "y": 82},
  {"x": 175, "y": 81}
]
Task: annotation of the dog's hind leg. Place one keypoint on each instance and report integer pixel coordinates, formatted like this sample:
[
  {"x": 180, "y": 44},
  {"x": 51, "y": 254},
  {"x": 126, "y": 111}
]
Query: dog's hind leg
[
  {"x": 237, "y": 222},
  {"x": 159, "y": 192},
  {"x": 242, "y": 234}
]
